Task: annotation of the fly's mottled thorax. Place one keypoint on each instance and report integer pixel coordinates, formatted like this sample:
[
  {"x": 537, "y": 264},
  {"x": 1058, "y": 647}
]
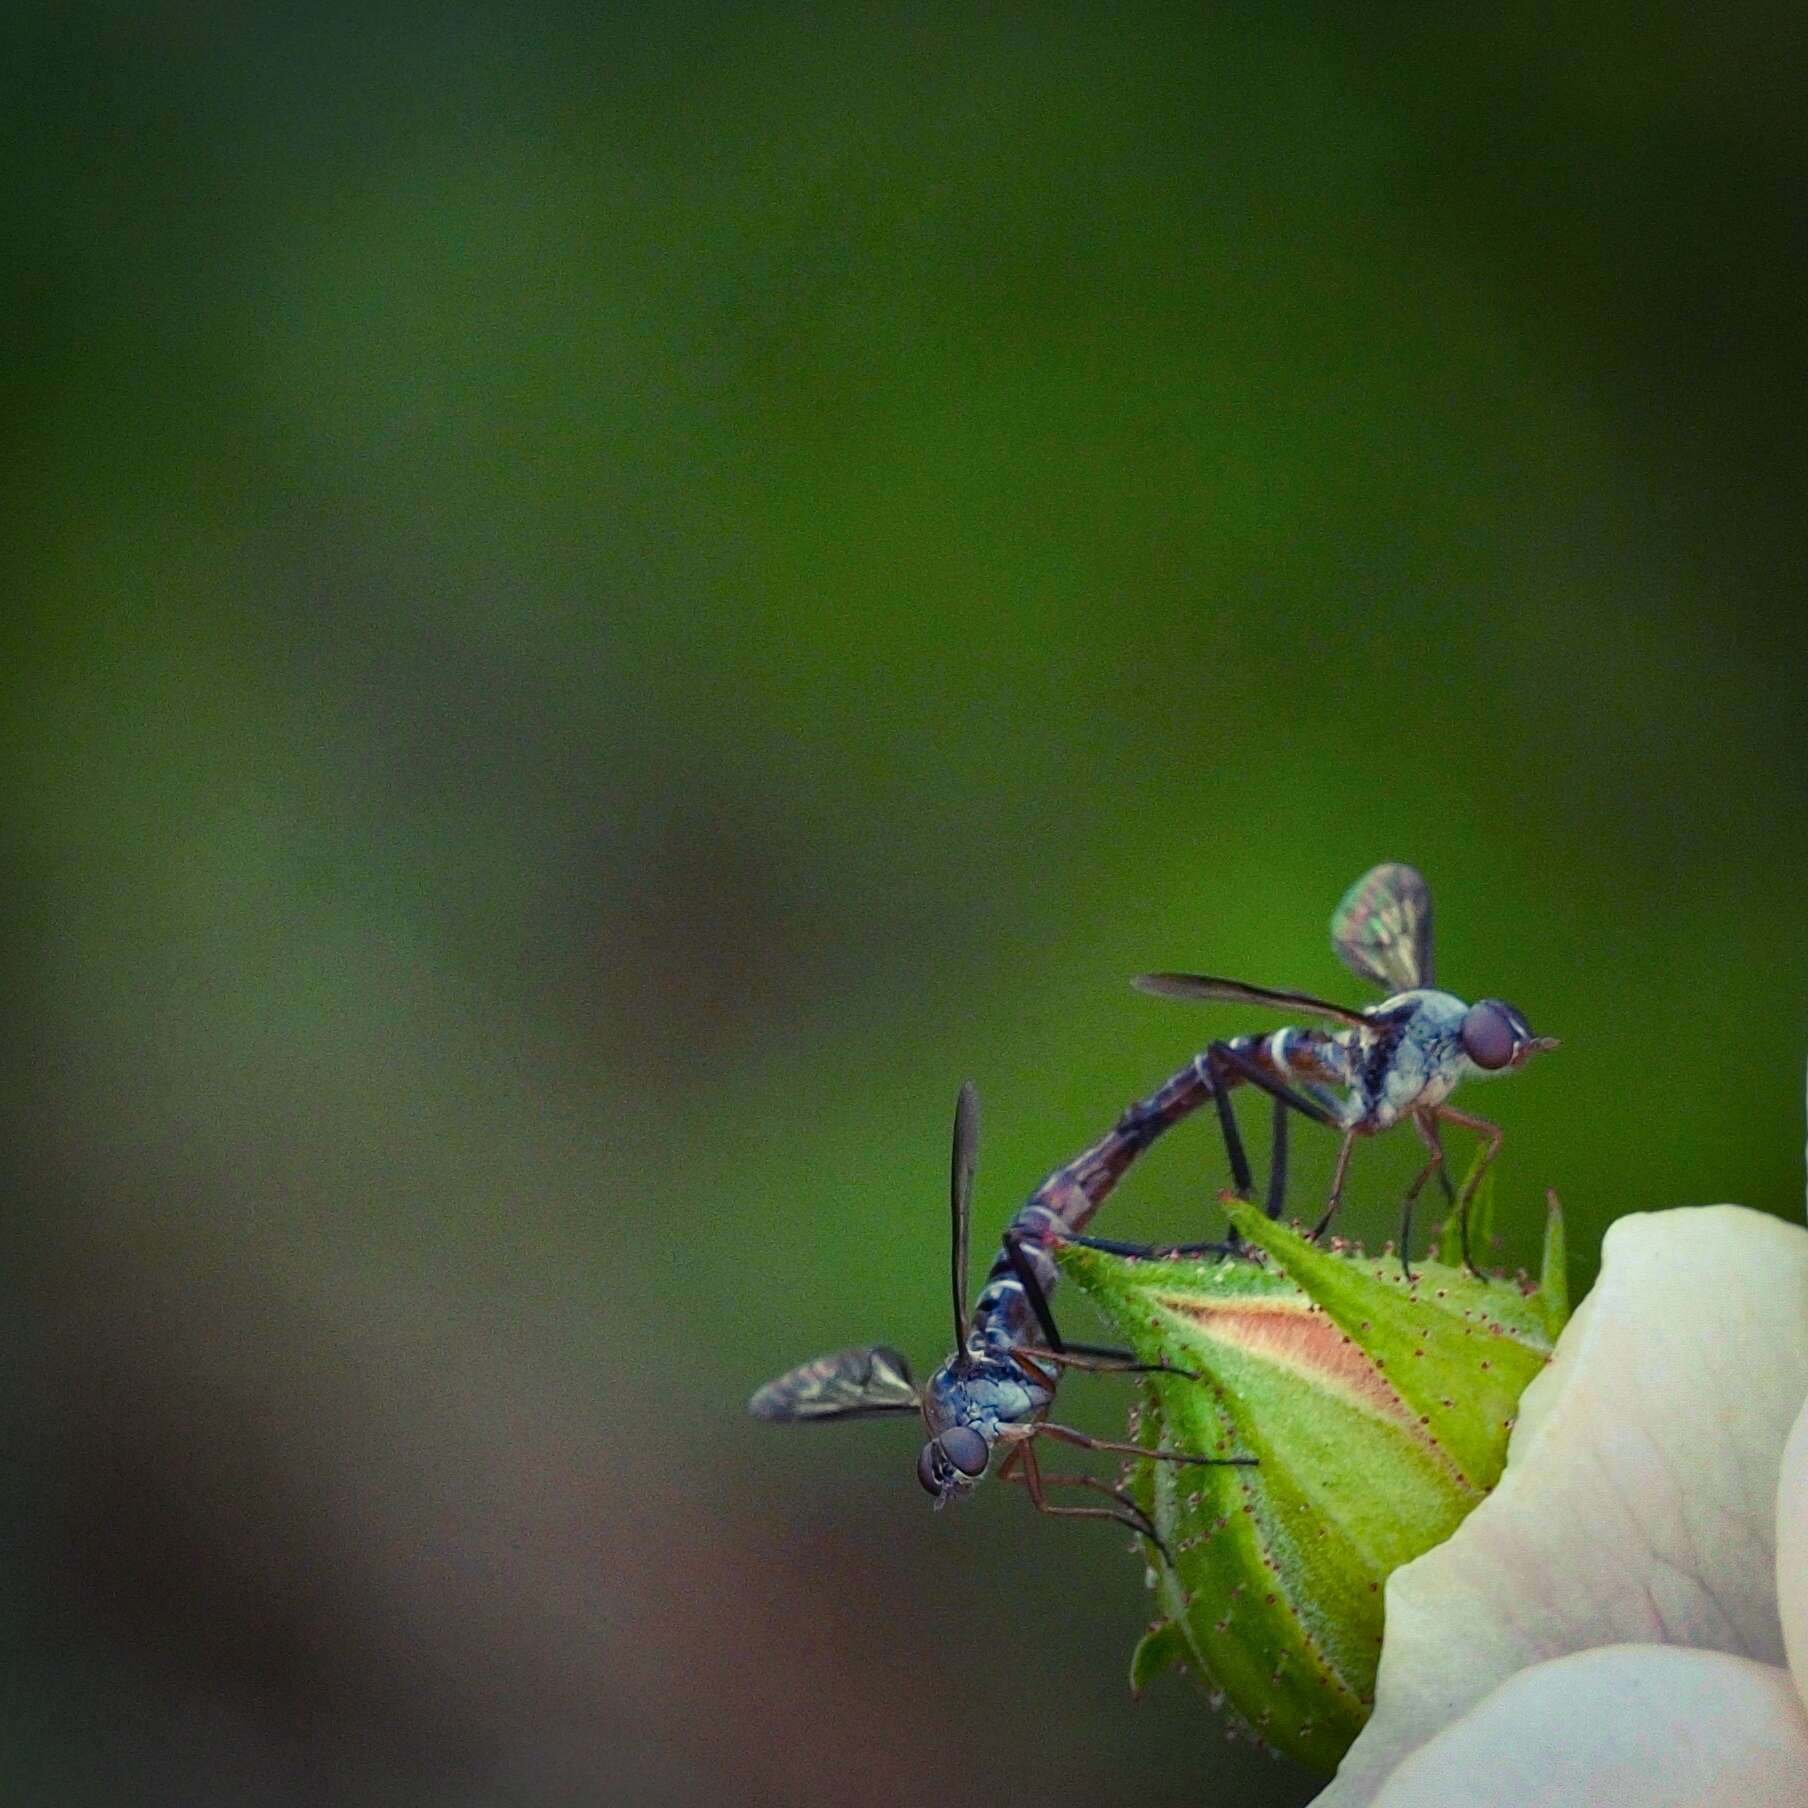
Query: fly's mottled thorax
[
  {"x": 1411, "y": 1054},
  {"x": 985, "y": 1394},
  {"x": 969, "y": 1405}
]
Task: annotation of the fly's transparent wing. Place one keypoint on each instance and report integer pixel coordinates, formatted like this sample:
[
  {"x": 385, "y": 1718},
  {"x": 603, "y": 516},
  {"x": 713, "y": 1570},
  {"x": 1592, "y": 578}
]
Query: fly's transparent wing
[
  {"x": 850, "y": 1384},
  {"x": 1234, "y": 991},
  {"x": 1382, "y": 928}
]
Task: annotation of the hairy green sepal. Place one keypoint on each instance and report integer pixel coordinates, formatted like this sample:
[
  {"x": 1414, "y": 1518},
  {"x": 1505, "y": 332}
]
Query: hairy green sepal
[{"x": 1378, "y": 1412}]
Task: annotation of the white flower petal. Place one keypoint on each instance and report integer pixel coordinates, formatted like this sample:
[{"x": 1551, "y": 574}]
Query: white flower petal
[
  {"x": 1629, "y": 1726},
  {"x": 1792, "y": 1551},
  {"x": 1638, "y": 1504}
]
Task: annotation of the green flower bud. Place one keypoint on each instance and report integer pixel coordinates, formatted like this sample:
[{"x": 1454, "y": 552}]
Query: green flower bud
[{"x": 1378, "y": 1411}]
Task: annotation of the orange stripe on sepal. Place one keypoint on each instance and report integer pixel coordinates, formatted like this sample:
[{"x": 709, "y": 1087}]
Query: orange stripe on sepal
[{"x": 1295, "y": 1334}]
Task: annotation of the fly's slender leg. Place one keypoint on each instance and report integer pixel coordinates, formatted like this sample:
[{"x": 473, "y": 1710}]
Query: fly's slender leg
[
  {"x": 1105, "y": 1352},
  {"x": 1059, "y": 1350},
  {"x": 1241, "y": 1178},
  {"x": 1337, "y": 1177},
  {"x": 1445, "y": 1183},
  {"x": 1049, "y": 1479},
  {"x": 1225, "y": 1060},
  {"x": 1154, "y": 1251},
  {"x": 1100, "y": 1361},
  {"x": 1490, "y": 1133},
  {"x": 1067, "y": 1435},
  {"x": 1277, "y": 1171},
  {"x": 1228, "y": 1055},
  {"x": 1429, "y": 1137},
  {"x": 1492, "y": 1136},
  {"x": 1242, "y": 1181},
  {"x": 1032, "y": 1289},
  {"x": 1021, "y": 1458},
  {"x": 1021, "y": 1466}
]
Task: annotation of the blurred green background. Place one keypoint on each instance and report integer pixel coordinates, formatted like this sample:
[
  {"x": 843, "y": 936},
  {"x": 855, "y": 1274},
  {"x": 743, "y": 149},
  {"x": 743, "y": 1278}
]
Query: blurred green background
[{"x": 607, "y": 601}]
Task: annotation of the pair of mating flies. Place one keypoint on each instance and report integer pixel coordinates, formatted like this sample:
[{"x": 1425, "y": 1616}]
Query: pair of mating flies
[{"x": 1397, "y": 1061}]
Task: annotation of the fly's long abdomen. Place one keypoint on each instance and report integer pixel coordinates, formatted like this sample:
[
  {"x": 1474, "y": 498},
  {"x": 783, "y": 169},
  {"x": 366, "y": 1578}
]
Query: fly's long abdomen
[
  {"x": 1073, "y": 1193},
  {"x": 1290, "y": 1055},
  {"x": 1065, "y": 1202}
]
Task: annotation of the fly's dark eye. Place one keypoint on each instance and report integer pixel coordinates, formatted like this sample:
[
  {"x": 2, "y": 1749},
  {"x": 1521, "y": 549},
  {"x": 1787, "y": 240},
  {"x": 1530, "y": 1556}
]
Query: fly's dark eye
[
  {"x": 1488, "y": 1038},
  {"x": 965, "y": 1449},
  {"x": 926, "y": 1469}
]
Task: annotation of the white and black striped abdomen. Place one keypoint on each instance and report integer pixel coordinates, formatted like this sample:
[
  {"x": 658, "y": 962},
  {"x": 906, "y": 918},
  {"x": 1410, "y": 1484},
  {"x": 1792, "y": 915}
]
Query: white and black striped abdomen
[
  {"x": 1293, "y": 1054},
  {"x": 1002, "y": 1315}
]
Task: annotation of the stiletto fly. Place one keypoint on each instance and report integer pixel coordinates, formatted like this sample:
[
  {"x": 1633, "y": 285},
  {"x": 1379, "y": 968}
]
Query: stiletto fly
[
  {"x": 992, "y": 1397},
  {"x": 1396, "y": 1061}
]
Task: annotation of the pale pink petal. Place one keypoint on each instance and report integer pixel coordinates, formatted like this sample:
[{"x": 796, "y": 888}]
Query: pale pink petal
[
  {"x": 1628, "y": 1726},
  {"x": 1792, "y": 1551},
  {"x": 1639, "y": 1502}
]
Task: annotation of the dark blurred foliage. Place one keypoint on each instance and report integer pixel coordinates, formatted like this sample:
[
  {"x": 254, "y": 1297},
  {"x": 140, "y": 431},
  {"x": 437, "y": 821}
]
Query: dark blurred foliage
[{"x": 603, "y": 602}]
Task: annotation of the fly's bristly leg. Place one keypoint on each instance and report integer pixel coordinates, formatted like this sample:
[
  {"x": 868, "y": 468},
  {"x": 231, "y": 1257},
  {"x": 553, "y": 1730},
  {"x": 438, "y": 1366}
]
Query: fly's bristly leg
[
  {"x": 1277, "y": 1168},
  {"x": 1428, "y": 1136},
  {"x": 1446, "y": 1185},
  {"x": 1227, "y": 1059},
  {"x": 1067, "y": 1435},
  {"x": 1032, "y": 1289},
  {"x": 1242, "y": 1181},
  {"x": 1337, "y": 1179},
  {"x": 1096, "y": 1359},
  {"x": 1021, "y": 1466},
  {"x": 1155, "y": 1252},
  {"x": 1228, "y": 1055},
  {"x": 1492, "y": 1137}
]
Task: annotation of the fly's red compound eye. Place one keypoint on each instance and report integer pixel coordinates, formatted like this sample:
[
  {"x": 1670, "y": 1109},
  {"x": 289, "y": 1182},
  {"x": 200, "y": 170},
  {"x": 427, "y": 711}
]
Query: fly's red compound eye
[
  {"x": 926, "y": 1467},
  {"x": 965, "y": 1449},
  {"x": 1488, "y": 1038}
]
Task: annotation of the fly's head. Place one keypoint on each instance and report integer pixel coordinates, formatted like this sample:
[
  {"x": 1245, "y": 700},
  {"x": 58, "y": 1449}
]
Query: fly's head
[
  {"x": 956, "y": 1455},
  {"x": 1497, "y": 1038},
  {"x": 952, "y": 1463}
]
